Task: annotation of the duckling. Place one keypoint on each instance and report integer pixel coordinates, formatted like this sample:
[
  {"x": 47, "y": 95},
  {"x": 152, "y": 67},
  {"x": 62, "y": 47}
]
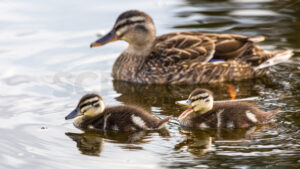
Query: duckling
[
  {"x": 92, "y": 114},
  {"x": 204, "y": 113},
  {"x": 185, "y": 57}
]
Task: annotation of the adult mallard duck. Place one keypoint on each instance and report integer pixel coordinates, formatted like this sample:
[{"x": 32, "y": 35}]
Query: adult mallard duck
[
  {"x": 92, "y": 114},
  {"x": 204, "y": 113},
  {"x": 185, "y": 57}
]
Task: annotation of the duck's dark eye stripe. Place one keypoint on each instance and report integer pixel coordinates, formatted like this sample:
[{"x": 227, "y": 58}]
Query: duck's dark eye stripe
[
  {"x": 129, "y": 22},
  {"x": 89, "y": 103}
]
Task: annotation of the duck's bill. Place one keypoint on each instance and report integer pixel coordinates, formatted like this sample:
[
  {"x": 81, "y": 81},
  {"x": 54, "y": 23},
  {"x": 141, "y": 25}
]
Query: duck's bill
[
  {"x": 74, "y": 114},
  {"x": 185, "y": 113},
  {"x": 110, "y": 37},
  {"x": 183, "y": 103}
]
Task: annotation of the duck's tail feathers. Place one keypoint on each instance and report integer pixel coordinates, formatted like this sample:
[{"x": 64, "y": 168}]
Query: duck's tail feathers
[
  {"x": 279, "y": 56},
  {"x": 163, "y": 122},
  {"x": 256, "y": 38}
]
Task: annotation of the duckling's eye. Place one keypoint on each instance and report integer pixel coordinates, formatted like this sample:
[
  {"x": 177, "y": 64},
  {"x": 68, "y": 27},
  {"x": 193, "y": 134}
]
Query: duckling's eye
[{"x": 96, "y": 104}]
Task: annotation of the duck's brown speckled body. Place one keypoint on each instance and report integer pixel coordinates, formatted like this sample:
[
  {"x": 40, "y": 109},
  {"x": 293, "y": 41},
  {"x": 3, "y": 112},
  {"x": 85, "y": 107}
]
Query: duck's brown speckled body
[
  {"x": 93, "y": 115},
  {"x": 185, "y": 57},
  {"x": 203, "y": 113}
]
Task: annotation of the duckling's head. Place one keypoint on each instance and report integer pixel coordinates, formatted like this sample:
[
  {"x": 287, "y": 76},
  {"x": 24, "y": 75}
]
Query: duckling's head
[
  {"x": 200, "y": 101},
  {"x": 90, "y": 105},
  {"x": 133, "y": 26}
]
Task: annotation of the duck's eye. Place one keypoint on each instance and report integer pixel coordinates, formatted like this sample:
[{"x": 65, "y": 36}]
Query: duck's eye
[{"x": 141, "y": 28}]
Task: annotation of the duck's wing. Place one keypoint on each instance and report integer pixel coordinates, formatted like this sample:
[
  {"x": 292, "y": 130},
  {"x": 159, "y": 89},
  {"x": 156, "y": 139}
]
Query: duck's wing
[
  {"x": 191, "y": 47},
  {"x": 232, "y": 46},
  {"x": 180, "y": 48},
  {"x": 186, "y": 58}
]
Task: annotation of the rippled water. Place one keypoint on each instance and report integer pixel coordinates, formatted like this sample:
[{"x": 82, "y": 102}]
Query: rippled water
[{"x": 47, "y": 65}]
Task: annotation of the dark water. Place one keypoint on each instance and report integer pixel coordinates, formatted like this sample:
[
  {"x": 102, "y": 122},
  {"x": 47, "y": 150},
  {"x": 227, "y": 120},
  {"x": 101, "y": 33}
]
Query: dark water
[{"x": 46, "y": 65}]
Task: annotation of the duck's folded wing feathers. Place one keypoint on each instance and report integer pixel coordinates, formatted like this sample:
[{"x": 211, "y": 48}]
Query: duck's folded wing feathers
[
  {"x": 184, "y": 49},
  {"x": 191, "y": 47},
  {"x": 231, "y": 46}
]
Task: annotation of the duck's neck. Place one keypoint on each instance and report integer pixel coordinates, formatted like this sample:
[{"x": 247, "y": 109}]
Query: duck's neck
[
  {"x": 82, "y": 122},
  {"x": 130, "y": 62}
]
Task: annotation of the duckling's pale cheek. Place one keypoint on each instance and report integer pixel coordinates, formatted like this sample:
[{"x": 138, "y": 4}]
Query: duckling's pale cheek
[
  {"x": 90, "y": 112},
  {"x": 197, "y": 105},
  {"x": 194, "y": 104}
]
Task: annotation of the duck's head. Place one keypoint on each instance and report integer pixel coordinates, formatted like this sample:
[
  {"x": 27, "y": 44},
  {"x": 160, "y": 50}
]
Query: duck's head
[
  {"x": 90, "y": 105},
  {"x": 134, "y": 27},
  {"x": 200, "y": 101}
]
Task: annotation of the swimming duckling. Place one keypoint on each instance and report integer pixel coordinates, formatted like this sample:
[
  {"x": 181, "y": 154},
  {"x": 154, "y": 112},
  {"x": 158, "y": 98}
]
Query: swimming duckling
[
  {"x": 185, "y": 57},
  {"x": 92, "y": 114},
  {"x": 204, "y": 113}
]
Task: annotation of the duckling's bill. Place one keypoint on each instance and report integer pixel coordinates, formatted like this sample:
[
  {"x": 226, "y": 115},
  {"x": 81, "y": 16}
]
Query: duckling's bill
[
  {"x": 74, "y": 114},
  {"x": 185, "y": 113},
  {"x": 110, "y": 37},
  {"x": 183, "y": 103}
]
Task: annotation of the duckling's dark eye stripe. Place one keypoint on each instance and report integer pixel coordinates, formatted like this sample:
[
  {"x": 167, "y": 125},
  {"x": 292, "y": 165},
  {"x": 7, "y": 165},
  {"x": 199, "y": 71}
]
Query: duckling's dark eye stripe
[
  {"x": 199, "y": 98},
  {"x": 96, "y": 105},
  {"x": 129, "y": 22},
  {"x": 88, "y": 103}
]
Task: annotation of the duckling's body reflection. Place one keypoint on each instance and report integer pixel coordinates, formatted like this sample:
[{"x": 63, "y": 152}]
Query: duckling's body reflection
[
  {"x": 91, "y": 142},
  {"x": 199, "y": 142},
  {"x": 88, "y": 143}
]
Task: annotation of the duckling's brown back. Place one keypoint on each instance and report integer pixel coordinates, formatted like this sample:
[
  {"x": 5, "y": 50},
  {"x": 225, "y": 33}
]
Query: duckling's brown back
[
  {"x": 230, "y": 115},
  {"x": 239, "y": 114},
  {"x": 125, "y": 118}
]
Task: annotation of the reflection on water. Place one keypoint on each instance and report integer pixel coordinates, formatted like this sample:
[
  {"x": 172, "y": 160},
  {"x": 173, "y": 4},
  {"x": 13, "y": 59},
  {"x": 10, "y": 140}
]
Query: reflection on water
[
  {"x": 165, "y": 96},
  {"x": 199, "y": 142},
  {"x": 88, "y": 143},
  {"x": 91, "y": 142},
  {"x": 46, "y": 65}
]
